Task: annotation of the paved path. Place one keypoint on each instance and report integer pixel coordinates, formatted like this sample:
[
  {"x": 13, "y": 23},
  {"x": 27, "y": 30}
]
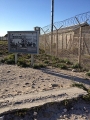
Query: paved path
[{"x": 37, "y": 99}]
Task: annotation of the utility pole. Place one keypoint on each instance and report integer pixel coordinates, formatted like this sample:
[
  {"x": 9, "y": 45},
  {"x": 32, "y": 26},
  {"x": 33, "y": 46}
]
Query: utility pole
[
  {"x": 52, "y": 14},
  {"x": 52, "y": 17}
]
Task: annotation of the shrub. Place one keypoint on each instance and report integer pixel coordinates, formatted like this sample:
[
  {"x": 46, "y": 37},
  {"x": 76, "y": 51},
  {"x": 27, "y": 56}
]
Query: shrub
[
  {"x": 1, "y": 53},
  {"x": 62, "y": 66},
  {"x": 53, "y": 58},
  {"x": 68, "y": 62},
  {"x": 46, "y": 61},
  {"x": 11, "y": 56},
  {"x": 65, "y": 61},
  {"x": 10, "y": 59},
  {"x": 76, "y": 66},
  {"x": 61, "y": 60},
  {"x": 87, "y": 97},
  {"x": 38, "y": 66},
  {"x": 88, "y": 73},
  {"x": 41, "y": 51},
  {"x": 22, "y": 62},
  {"x": 2, "y": 60}
]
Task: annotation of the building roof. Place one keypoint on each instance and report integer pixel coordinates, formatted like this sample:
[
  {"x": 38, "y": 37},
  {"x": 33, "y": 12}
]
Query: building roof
[{"x": 72, "y": 28}]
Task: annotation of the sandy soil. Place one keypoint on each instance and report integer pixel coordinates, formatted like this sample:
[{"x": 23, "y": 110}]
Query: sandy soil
[
  {"x": 16, "y": 81},
  {"x": 19, "y": 81}
]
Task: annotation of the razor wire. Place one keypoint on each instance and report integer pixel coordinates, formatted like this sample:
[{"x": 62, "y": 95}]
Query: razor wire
[{"x": 82, "y": 18}]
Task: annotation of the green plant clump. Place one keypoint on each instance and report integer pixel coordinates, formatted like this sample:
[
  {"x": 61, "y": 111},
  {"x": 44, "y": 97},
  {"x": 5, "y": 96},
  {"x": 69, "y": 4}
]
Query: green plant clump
[
  {"x": 87, "y": 97},
  {"x": 62, "y": 66},
  {"x": 10, "y": 59},
  {"x": 46, "y": 61},
  {"x": 22, "y": 62},
  {"x": 21, "y": 112},
  {"x": 79, "y": 86},
  {"x": 38, "y": 66},
  {"x": 88, "y": 73},
  {"x": 76, "y": 66}
]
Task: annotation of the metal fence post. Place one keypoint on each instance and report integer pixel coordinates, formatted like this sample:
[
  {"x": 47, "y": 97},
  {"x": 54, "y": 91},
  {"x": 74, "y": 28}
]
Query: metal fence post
[
  {"x": 79, "y": 48},
  {"x": 57, "y": 39},
  {"x": 62, "y": 42},
  {"x": 32, "y": 59},
  {"x": 51, "y": 43},
  {"x": 66, "y": 41},
  {"x": 15, "y": 58},
  {"x": 45, "y": 42},
  {"x": 57, "y": 43},
  {"x": 44, "y": 38},
  {"x": 70, "y": 41}
]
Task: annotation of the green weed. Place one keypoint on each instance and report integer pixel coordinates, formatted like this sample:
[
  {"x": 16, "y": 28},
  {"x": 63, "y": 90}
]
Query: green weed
[
  {"x": 79, "y": 86},
  {"x": 76, "y": 66},
  {"x": 88, "y": 73},
  {"x": 38, "y": 66},
  {"x": 62, "y": 66}
]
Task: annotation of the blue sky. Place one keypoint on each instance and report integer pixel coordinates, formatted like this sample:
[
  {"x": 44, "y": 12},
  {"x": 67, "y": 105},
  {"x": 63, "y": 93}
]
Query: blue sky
[{"x": 26, "y": 14}]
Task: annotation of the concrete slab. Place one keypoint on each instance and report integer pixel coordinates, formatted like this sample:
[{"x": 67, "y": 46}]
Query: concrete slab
[{"x": 40, "y": 98}]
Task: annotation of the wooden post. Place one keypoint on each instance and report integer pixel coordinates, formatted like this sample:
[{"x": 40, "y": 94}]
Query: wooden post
[
  {"x": 79, "y": 47},
  {"x": 15, "y": 58},
  {"x": 32, "y": 59}
]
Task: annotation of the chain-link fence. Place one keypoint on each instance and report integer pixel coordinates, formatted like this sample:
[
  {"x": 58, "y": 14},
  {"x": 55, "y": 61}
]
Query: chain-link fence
[
  {"x": 85, "y": 47},
  {"x": 72, "y": 42},
  {"x": 63, "y": 44}
]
